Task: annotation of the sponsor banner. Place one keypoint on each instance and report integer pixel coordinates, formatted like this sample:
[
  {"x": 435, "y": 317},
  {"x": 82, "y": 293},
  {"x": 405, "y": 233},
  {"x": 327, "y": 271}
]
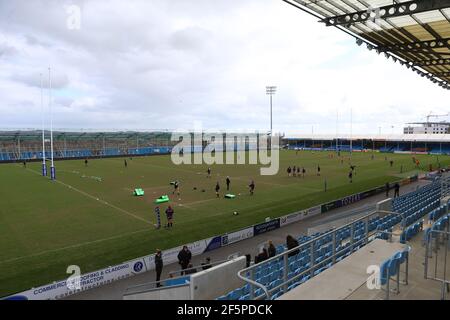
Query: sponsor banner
[
  {"x": 300, "y": 215},
  {"x": 341, "y": 202},
  {"x": 171, "y": 255},
  {"x": 86, "y": 281},
  {"x": 413, "y": 152},
  {"x": 360, "y": 196},
  {"x": 266, "y": 226},
  {"x": 291, "y": 218},
  {"x": 214, "y": 243},
  {"x": 372, "y": 192},
  {"x": 233, "y": 237},
  {"x": 310, "y": 212}
]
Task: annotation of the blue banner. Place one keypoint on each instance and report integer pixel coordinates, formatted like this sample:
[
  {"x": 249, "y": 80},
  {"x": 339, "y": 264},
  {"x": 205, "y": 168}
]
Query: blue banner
[
  {"x": 215, "y": 243},
  {"x": 266, "y": 226}
]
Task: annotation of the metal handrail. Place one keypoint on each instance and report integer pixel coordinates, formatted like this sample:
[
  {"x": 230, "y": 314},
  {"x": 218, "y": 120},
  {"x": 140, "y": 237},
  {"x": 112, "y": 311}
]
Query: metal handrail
[
  {"x": 212, "y": 264},
  {"x": 428, "y": 246},
  {"x": 152, "y": 285},
  {"x": 126, "y": 293},
  {"x": 309, "y": 243}
]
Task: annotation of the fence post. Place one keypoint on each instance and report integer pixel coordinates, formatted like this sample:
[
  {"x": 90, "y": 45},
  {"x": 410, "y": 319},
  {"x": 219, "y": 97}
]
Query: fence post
[
  {"x": 285, "y": 272},
  {"x": 252, "y": 287},
  {"x": 352, "y": 235},
  {"x": 313, "y": 260},
  {"x": 334, "y": 246}
]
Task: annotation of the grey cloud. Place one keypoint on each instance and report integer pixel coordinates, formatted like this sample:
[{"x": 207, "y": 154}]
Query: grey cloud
[{"x": 59, "y": 80}]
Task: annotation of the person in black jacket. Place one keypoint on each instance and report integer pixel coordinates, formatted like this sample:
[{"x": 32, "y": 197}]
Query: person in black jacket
[
  {"x": 292, "y": 243},
  {"x": 262, "y": 256},
  {"x": 396, "y": 190},
  {"x": 184, "y": 257},
  {"x": 158, "y": 266},
  {"x": 272, "y": 251},
  {"x": 248, "y": 260},
  {"x": 388, "y": 188}
]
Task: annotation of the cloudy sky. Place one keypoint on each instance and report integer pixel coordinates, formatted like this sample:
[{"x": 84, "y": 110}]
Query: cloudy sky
[{"x": 159, "y": 64}]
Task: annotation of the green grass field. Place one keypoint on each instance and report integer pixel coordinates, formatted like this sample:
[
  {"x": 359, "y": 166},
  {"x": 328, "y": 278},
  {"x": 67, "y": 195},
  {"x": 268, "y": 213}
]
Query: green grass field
[{"x": 78, "y": 220}]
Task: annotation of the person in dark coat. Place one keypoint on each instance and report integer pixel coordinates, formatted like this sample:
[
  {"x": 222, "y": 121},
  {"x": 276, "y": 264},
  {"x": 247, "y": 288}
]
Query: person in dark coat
[
  {"x": 184, "y": 257},
  {"x": 290, "y": 244},
  {"x": 262, "y": 256},
  {"x": 272, "y": 251},
  {"x": 228, "y": 181},
  {"x": 388, "y": 188},
  {"x": 158, "y": 266},
  {"x": 217, "y": 188},
  {"x": 248, "y": 260},
  {"x": 252, "y": 187},
  {"x": 396, "y": 190}
]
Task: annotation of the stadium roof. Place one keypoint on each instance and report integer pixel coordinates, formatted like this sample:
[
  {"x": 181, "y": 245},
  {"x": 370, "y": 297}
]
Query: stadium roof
[
  {"x": 13, "y": 135},
  {"x": 376, "y": 137},
  {"x": 414, "y": 33}
]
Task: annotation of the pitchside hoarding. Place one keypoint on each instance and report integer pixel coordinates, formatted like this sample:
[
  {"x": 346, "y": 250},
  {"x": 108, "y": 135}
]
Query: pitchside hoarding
[
  {"x": 266, "y": 226},
  {"x": 300, "y": 215},
  {"x": 237, "y": 236},
  {"x": 61, "y": 289}
]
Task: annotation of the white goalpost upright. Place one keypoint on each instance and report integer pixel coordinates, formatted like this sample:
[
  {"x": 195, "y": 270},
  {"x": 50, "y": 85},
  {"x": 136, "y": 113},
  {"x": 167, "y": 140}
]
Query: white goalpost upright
[
  {"x": 52, "y": 167},
  {"x": 44, "y": 165}
]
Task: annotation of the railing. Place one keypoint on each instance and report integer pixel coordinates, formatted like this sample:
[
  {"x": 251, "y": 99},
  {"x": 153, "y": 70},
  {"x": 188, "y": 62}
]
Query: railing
[
  {"x": 435, "y": 240},
  {"x": 248, "y": 274},
  {"x": 197, "y": 268},
  {"x": 445, "y": 184},
  {"x": 152, "y": 286}
]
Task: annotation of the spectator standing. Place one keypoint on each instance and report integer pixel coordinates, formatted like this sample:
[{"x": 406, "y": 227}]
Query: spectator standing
[
  {"x": 290, "y": 244},
  {"x": 396, "y": 190},
  {"x": 184, "y": 257},
  {"x": 158, "y": 267},
  {"x": 272, "y": 251}
]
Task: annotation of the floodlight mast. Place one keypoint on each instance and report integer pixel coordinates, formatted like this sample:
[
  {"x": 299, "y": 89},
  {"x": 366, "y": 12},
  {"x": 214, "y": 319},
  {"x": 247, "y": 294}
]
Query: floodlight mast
[{"x": 271, "y": 90}]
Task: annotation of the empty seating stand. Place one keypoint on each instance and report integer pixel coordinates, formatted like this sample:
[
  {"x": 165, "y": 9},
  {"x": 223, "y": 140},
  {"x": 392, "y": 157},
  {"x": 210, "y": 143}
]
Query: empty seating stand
[{"x": 411, "y": 208}]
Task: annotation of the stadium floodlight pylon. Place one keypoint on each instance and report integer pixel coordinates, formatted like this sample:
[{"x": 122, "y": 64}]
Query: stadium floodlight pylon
[
  {"x": 44, "y": 165},
  {"x": 52, "y": 167},
  {"x": 271, "y": 90}
]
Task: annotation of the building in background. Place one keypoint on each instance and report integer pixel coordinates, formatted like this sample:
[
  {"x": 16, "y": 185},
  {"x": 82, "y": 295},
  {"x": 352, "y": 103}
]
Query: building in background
[{"x": 427, "y": 128}]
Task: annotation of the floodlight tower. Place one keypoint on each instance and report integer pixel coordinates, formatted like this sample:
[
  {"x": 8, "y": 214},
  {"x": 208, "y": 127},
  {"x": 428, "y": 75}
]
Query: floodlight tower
[{"x": 271, "y": 90}]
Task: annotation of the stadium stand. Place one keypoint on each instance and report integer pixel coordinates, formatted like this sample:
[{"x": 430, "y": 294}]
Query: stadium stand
[{"x": 408, "y": 214}]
